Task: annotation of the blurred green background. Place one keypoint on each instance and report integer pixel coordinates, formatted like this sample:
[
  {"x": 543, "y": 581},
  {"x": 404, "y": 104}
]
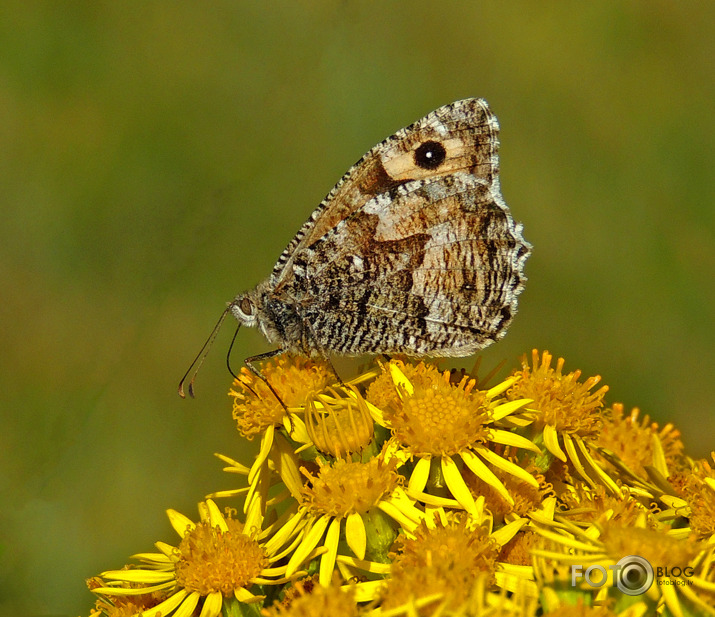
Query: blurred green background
[{"x": 155, "y": 158}]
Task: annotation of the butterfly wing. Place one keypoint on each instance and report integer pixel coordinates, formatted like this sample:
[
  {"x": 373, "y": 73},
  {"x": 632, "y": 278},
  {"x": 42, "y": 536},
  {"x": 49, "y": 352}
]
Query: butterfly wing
[
  {"x": 460, "y": 136},
  {"x": 433, "y": 267}
]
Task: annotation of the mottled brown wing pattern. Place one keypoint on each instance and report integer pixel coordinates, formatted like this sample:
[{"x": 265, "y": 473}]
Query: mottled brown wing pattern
[
  {"x": 431, "y": 267},
  {"x": 466, "y": 129},
  {"x": 413, "y": 251}
]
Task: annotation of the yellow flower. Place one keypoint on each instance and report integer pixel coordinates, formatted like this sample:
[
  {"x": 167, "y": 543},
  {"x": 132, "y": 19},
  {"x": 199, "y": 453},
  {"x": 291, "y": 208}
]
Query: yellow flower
[
  {"x": 293, "y": 378},
  {"x": 562, "y": 400},
  {"x": 447, "y": 427},
  {"x": 217, "y": 558},
  {"x": 633, "y": 443},
  {"x": 350, "y": 500},
  {"x": 566, "y": 412},
  {"x": 257, "y": 410},
  {"x": 425, "y": 493},
  {"x": 441, "y": 563}
]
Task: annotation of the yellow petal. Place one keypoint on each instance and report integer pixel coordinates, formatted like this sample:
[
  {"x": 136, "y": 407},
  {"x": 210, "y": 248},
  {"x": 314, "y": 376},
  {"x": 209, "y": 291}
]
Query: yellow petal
[
  {"x": 168, "y": 605},
  {"x": 505, "y": 409},
  {"x": 187, "y": 606},
  {"x": 603, "y": 476},
  {"x": 502, "y": 387},
  {"x": 483, "y": 472},
  {"x": 216, "y": 519},
  {"x": 296, "y": 429},
  {"x": 671, "y": 600},
  {"x": 139, "y": 576},
  {"x": 570, "y": 542},
  {"x": 508, "y": 531},
  {"x": 285, "y": 531},
  {"x": 436, "y": 501},
  {"x": 366, "y": 591},
  {"x": 505, "y": 465},
  {"x": 457, "y": 486},
  {"x": 266, "y": 444},
  {"x": 286, "y": 464},
  {"x": 396, "y": 514},
  {"x": 212, "y": 605},
  {"x": 368, "y": 566},
  {"x": 243, "y": 595},
  {"x": 181, "y": 524},
  {"x": 375, "y": 412},
  {"x": 125, "y": 591},
  {"x": 327, "y": 561},
  {"x": 402, "y": 384},
  {"x": 308, "y": 543},
  {"x": 167, "y": 549},
  {"x": 551, "y": 441},
  {"x": 576, "y": 461},
  {"x": 254, "y": 514},
  {"x": 355, "y": 534},
  {"x": 155, "y": 558},
  {"x": 233, "y": 465},
  {"x": 420, "y": 475},
  {"x": 507, "y": 438}
]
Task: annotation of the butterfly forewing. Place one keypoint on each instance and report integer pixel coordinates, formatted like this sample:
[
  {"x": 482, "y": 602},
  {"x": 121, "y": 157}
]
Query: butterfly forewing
[{"x": 466, "y": 130}]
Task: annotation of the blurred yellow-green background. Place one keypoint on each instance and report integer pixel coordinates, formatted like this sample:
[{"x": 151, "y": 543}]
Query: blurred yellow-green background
[{"x": 156, "y": 157}]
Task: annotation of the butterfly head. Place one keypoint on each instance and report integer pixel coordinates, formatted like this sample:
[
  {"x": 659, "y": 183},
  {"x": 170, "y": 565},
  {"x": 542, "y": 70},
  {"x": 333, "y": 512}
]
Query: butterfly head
[{"x": 244, "y": 309}]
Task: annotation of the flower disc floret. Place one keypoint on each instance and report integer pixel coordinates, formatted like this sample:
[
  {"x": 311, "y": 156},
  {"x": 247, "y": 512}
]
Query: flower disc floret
[
  {"x": 445, "y": 558},
  {"x": 562, "y": 400},
  {"x": 437, "y": 417},
  {"x": 215, "y": 560},
  {"x": 295, "y": 379},
  {"x": 345, "y": 487}
]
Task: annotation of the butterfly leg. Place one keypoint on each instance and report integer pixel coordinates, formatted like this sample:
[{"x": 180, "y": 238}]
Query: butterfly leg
[{"x": 259, "y": 358}]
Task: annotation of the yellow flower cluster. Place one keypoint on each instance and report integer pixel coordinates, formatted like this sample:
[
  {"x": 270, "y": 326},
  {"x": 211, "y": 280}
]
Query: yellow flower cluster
[{"x": 421, "y": 492}]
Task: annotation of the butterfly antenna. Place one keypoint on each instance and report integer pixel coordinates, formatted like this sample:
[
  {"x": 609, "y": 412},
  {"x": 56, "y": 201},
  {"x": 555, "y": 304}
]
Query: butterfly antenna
[{"x": 201, "y": 356}]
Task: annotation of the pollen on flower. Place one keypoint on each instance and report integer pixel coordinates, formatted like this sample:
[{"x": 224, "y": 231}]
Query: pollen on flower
[
  {"x": 294, "y": 378},
  {"x": 562, "y": 400},
  {"x": 344, "y": 487},
  {"x": 213, "y": 560},
  {"x": 438, "y": 418},
  {"x": 447, "y": 558}
]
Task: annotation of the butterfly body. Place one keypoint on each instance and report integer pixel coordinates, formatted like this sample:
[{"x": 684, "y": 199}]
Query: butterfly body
[{"x": 414, "y": 251}]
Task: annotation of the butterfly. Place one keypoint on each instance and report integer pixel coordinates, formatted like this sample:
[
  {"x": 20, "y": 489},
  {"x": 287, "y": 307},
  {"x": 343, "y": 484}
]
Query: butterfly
[{"x": 414, "y": 251}]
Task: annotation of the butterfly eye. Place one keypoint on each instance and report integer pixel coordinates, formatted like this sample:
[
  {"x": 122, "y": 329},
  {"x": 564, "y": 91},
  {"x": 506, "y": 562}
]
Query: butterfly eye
[
  {"x": 246, "y": 307},
  {"x": 430, "y": 155}
]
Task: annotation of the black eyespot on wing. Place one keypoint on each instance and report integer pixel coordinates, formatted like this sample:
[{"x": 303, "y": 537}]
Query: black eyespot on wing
[{"x": 430, "y": 155}]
